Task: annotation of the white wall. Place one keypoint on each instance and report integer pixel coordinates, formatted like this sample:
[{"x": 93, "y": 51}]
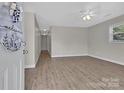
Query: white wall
[
  {"x": 33, "y": 40},
  {"x": 49, "y": 42},
  {"x": 29, "y": 32},
  {"x": 99, "y": 45},
  {"x": 68, "y": 41},
  {"x": 37, "y": 41}
]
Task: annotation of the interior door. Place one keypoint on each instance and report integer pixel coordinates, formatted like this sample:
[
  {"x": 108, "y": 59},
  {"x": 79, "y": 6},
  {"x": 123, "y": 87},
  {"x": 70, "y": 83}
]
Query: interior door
[
  {"x": 11, "y": 63},
  {"x": 11, "y": 70}
]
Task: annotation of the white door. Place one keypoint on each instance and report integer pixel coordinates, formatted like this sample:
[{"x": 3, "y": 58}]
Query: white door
[
  {"x": 11, "y": 65},
  {"x": 11, "y": 70}
]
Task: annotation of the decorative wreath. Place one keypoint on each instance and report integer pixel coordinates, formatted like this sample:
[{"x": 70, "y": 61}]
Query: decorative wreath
[
  {"x": 10, "y": 38},
  {"x": 10, "y": 27}
]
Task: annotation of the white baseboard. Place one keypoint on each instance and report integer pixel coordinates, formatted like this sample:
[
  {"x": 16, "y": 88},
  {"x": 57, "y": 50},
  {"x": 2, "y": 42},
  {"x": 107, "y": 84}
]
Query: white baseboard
[
  {"x": 30, "y": 66},
  {"x": 107, "y": 59},
  {"x": 33, "y": 65},
  {"x": 69, "y": 55}
]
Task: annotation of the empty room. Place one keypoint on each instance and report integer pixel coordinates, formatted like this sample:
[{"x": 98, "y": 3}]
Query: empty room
[{"x": 61, "y": 45}]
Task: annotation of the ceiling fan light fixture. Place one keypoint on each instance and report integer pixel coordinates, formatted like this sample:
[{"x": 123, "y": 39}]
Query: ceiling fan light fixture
[
  {"x": 88, "y": 17},
  {"x": 84, "y": 18}
]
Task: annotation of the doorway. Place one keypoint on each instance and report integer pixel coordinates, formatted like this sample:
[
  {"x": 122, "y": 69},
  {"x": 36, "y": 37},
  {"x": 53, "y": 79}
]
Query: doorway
[{"x": 46, "y": 43}]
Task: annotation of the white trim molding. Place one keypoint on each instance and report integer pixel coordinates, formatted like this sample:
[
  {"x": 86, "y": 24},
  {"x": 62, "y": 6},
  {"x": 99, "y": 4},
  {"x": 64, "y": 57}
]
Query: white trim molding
[
  {"x": 107, "y": 59},
  {"x": 30, "y": 66},
  {"x": 69, "y": 55}
]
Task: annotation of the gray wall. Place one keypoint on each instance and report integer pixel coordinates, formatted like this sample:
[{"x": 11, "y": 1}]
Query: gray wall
[
  {"x": 68, "y": 41},
  {"x": 99, "y": 45}
]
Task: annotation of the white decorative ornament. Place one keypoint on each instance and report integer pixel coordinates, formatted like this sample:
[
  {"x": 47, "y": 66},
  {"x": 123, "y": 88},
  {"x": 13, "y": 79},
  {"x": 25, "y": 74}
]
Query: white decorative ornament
[
  {"x": 11, "y": 12},
  {"x": 13, "y": 6}
]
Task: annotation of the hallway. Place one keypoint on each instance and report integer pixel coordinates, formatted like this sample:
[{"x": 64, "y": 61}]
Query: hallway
[{"x": 74, "y": 73}]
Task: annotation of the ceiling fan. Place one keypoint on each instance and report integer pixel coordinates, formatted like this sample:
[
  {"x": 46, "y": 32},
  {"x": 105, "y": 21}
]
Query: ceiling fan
[{"x": 87, "y": 15}]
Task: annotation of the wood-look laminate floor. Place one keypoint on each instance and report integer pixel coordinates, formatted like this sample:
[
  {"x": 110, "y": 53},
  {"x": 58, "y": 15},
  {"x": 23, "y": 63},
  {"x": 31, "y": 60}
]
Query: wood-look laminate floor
[{"x": 73, "y": 73}]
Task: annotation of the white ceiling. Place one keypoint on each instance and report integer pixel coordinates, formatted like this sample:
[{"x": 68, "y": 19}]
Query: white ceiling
[{"x": 68, "y": 13}]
